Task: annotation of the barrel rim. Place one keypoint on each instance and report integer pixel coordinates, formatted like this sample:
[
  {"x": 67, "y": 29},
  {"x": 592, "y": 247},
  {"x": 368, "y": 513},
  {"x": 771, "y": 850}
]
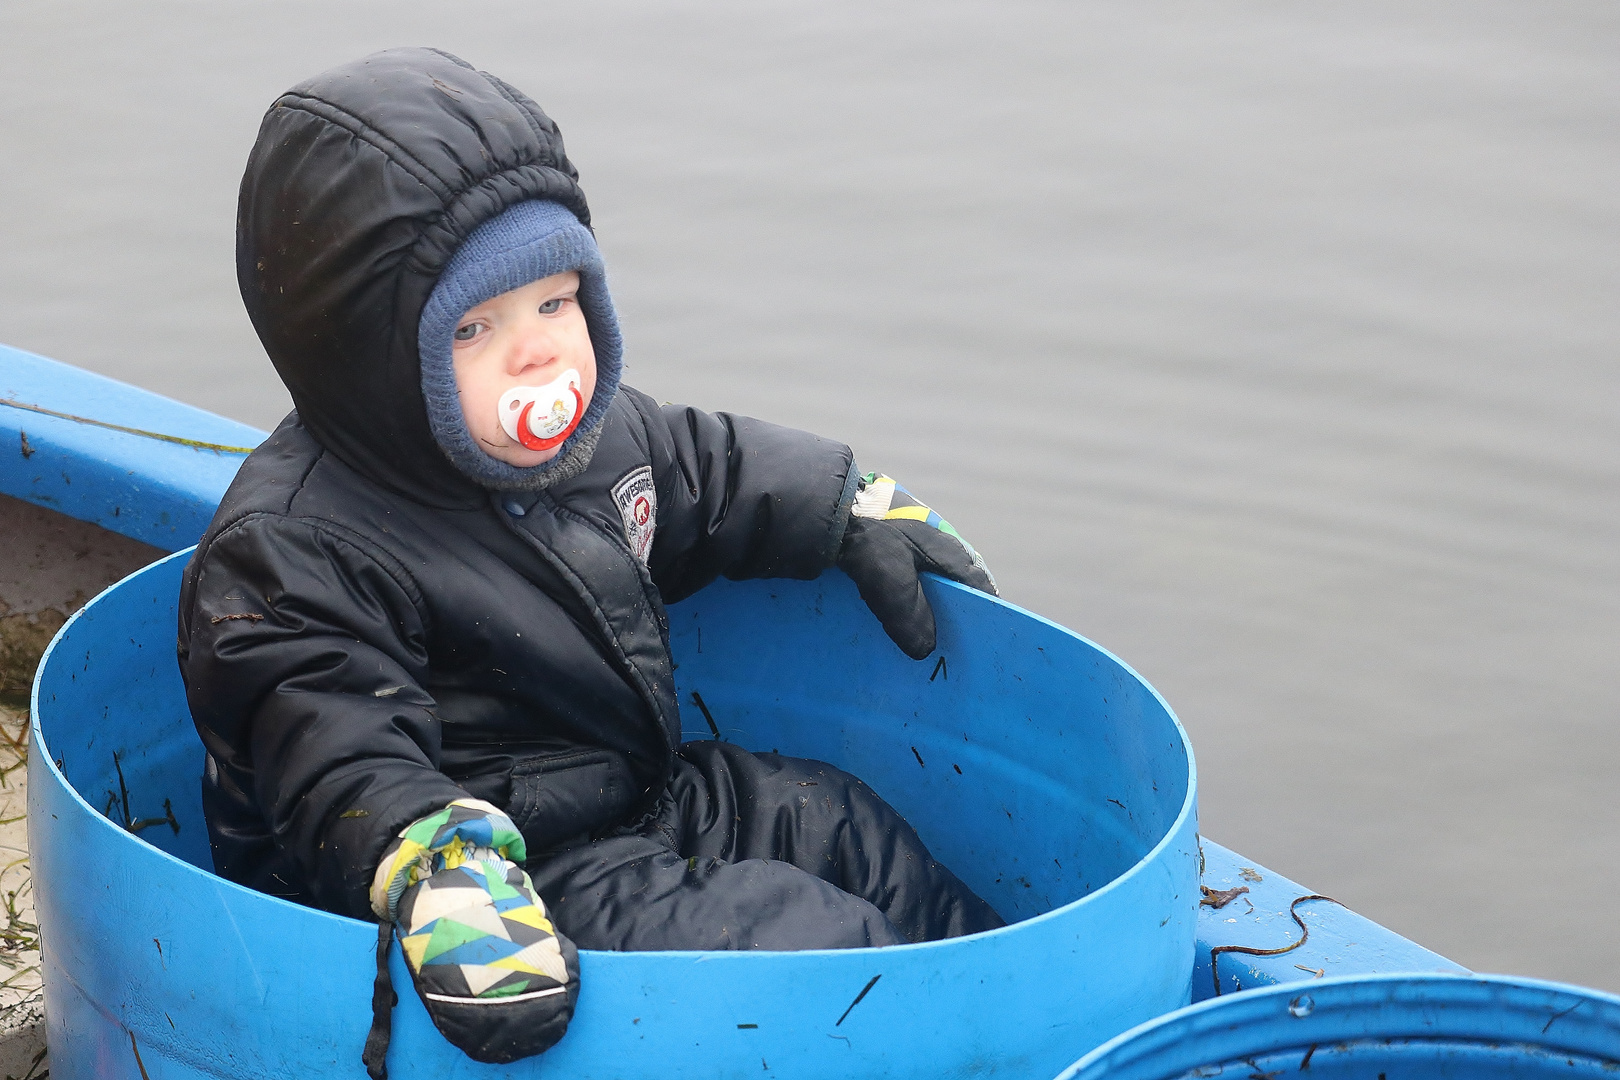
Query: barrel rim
[
  {"x": 1166, "y": 1037},
  {"x": 40, "y": 753}
]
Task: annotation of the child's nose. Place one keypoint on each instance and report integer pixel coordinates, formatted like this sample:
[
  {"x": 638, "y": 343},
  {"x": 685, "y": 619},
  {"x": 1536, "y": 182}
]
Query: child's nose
[{"x": 534, "y": 350}]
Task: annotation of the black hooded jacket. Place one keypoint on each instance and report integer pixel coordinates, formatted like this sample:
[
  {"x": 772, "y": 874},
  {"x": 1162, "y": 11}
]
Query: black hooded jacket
[{"x": 366, "y": 635}]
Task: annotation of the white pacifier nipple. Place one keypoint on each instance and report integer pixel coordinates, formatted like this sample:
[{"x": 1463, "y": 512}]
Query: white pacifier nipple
[{"x": 540, "y": 417}]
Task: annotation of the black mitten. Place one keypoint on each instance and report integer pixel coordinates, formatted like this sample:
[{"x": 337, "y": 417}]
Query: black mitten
[
  {"x": 892, "y": 537},
  {"x": 497, "y": 978}
]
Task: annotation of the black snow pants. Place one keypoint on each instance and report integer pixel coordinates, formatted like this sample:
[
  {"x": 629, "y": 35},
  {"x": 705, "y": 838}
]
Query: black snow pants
[{"x": 758, "y": 851}]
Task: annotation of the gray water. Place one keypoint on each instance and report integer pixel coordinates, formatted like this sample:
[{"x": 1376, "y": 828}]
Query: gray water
[{"x": 1271, "y": 345}]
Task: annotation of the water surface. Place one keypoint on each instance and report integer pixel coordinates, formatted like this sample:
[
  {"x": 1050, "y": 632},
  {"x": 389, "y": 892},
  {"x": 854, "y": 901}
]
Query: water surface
[{"x": 1273, "y": 346}]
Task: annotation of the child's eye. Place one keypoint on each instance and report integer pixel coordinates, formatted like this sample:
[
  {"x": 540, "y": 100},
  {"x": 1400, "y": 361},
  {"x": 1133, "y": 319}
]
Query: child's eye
[
  {"x": 466, "y": 333},
  {"x": 551, "y": 307}
]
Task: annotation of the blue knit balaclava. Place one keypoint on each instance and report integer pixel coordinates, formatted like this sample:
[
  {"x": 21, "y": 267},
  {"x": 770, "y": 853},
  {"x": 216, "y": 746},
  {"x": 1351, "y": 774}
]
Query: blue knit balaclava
[{"x": 526, "y": 242}]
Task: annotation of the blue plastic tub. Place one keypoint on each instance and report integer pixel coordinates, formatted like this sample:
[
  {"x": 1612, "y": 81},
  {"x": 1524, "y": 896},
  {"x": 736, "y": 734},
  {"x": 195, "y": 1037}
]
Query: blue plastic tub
[
  {"x": 1044, "y": 771},
  {"x": 1396, "y": 1027}
]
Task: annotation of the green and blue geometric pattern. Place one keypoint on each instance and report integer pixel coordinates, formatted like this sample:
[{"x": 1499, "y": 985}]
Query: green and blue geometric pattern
[
  {"x": 478, "y": 931},
  {"x": 882, "y": 498},
  {"x": 441, "y": 841}
]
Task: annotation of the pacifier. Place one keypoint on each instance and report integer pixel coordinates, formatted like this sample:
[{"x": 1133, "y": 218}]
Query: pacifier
[{"x": 541, "y": 417}]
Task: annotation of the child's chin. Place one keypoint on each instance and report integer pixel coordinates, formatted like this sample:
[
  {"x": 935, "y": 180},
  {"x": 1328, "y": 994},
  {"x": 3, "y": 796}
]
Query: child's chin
[{"x": 524, "y": 459}]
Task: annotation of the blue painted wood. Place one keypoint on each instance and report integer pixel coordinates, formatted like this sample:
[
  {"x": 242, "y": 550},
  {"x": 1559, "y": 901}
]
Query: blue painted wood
[
  {"x": 1412, "y": 1027},
  {"x": 1043, "y": 769},
  {"x": 1340, "y": 941},
  {"x": 153, "y": 491}
]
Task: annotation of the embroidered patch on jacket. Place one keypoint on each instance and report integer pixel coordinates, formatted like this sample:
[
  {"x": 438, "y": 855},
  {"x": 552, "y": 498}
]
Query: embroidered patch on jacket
[{"x": 638, "y": 506}]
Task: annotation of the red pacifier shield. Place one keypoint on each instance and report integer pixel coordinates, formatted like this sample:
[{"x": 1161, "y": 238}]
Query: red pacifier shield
[
  {"x": 541, "y": 417},
  {"x": 531, "y": 441}
]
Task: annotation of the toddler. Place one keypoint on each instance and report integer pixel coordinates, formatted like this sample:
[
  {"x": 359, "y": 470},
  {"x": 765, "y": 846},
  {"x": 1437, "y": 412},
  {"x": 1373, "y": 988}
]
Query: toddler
[{"x": 424, "y": 638}]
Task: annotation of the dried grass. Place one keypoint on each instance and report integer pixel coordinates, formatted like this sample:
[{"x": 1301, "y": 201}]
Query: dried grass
[{"x": 19, "y": 932}]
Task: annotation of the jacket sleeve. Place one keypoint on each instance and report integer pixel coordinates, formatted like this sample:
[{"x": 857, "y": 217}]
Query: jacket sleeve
[
  {"x": 742, "y": 497},
  {"x": 304, "y": 655}
]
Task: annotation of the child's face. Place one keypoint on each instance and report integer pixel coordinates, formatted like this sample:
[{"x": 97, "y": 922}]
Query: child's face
[{"x": 524, "y": 338}]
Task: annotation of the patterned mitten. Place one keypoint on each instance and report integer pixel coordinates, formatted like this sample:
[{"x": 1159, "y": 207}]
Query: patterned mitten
[
  {"x": 891, "y": 538},
  {"x": 496, "y": 977}
]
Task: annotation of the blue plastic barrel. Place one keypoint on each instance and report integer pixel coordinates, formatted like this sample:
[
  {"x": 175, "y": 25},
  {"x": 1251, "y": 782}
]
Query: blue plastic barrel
[
  {"x": 1399, "y": 1027},
  {"x": 1044, "y": 771}
]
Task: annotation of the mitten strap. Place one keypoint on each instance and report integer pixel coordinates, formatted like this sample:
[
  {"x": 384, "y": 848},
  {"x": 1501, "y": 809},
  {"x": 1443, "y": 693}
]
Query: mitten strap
[{"x": 383, "y": 999}]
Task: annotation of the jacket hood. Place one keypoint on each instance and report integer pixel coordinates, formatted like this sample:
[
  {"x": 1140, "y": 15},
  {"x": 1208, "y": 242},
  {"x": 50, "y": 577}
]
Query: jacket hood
[
  {"x": 362, "y": 184},
  {"x": 524, "y": 243}
]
